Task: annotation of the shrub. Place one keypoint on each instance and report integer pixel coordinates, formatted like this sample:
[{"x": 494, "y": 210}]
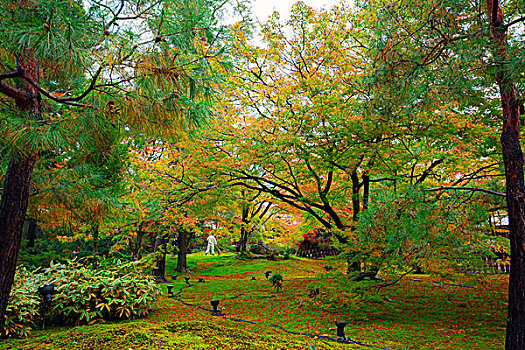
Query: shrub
[
  {"x": 277, "y": 281},
  {"x": 23, "y": 307},
  {"x": 83, "y": 295},
  {"x": 336, "y": 291}
]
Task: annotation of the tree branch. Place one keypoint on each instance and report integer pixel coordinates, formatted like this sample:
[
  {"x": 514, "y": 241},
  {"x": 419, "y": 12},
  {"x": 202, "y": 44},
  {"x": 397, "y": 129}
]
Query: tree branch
[
  {"x": 67, "y": 100},
  {"x": 478, "y": 189},
  {"x": 516, "y": 21},
  {"x": 11, "y": 91},
  {"x": 392, "y": 283},
  {"x": 10, "y": 75},
  {"x": 427, "y": 171}
]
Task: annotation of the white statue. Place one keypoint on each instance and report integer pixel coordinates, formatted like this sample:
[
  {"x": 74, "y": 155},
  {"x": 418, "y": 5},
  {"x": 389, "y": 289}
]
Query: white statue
[{"x": 212, "y": 242}]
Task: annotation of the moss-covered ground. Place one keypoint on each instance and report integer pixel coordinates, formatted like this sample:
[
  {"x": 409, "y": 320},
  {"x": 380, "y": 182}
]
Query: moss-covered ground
[{"x": 419, "y": 312}]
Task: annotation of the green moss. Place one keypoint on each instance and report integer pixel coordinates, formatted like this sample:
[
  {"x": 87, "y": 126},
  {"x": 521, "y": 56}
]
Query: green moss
[
  {"x": 228, "y": 264},
  {"x": 137, "y": 335},
  {"x": 418, "y": 311}
]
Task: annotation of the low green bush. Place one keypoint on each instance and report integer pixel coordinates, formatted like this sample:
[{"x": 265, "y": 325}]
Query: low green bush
[
  {"x": 23, "y": 308},
  {"x": 335, "y": 290},
  {"x": 277, "y": 281},
  {"x": 83, "y": 295}
]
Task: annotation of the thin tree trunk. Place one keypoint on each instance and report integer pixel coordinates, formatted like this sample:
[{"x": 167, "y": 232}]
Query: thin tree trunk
[
  {"x": 366, "y": 190},
  {"x": 31, "y": 232},
  {"x": 356, "y": 205},
  {"x": 183, "y": 249},
  {"x": 138, "y": 243},
  {"x": 159, "y": 262},
  {"x": 244, "y": 241},
  {"x": 244, "y": 232},
  {"x": 515, "y": 187}
]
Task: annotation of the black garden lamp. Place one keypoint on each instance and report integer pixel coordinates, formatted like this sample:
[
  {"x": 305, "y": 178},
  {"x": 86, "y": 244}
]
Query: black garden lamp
[
  {"x": 46, "y": 291},
  {"x": 170, "y": 287},
  {"x": 187, "y": 280},
  {"x": 201, "y": 280},
  {"x": 215, "y": 304},
  {"x": 267, "y": 274},
  {"x": 340, "y": 328},
  {"x": 174, "y": 277}
]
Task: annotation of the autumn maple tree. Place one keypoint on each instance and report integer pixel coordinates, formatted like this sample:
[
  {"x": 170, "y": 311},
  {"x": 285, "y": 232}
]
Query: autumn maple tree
[{"x": 314, "y": 126}]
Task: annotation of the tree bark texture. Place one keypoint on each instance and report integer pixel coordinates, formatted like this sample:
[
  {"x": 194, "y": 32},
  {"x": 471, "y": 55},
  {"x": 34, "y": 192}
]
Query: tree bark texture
[
  {"x": 17, "y": 183},
  {"x": 13, "y": 208},
  {"x": 515, "y": 187}
]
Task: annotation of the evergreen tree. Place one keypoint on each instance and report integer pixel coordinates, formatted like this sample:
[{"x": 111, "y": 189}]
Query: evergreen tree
[{"x": 148, "y": 66}]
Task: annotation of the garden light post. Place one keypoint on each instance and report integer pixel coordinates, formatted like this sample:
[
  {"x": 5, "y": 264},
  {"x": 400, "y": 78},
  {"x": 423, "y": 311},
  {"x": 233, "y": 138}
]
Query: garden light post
[
  {"x": 174, "y": 277},
  {"x": 267, "y": 274},
  {"x": 340, "y": 328},
  {"x": 215, "y": 304},
  {"x": 187, "y": 280},
  {"x": 170, "y": 287},
  {"x": 46, "y": 291}
]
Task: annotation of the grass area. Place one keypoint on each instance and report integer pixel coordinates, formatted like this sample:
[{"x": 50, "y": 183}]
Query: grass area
[{"x": 419, "y": 312}]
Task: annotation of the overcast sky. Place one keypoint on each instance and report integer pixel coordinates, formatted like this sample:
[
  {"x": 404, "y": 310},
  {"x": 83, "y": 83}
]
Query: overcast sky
[{"x": 262, "y": 9}]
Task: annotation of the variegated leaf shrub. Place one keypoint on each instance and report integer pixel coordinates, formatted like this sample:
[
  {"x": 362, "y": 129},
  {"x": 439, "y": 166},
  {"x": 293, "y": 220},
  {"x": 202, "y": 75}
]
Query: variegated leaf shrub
[{"x": 82, "y": 295}]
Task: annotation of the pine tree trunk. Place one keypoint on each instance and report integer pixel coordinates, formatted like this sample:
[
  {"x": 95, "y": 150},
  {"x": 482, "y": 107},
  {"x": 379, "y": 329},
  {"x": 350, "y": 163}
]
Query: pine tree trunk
[
  {"x": 515, "y": 187},
  {"x": 13, "y": 208},
  {"x": 17, "y": 183}
]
